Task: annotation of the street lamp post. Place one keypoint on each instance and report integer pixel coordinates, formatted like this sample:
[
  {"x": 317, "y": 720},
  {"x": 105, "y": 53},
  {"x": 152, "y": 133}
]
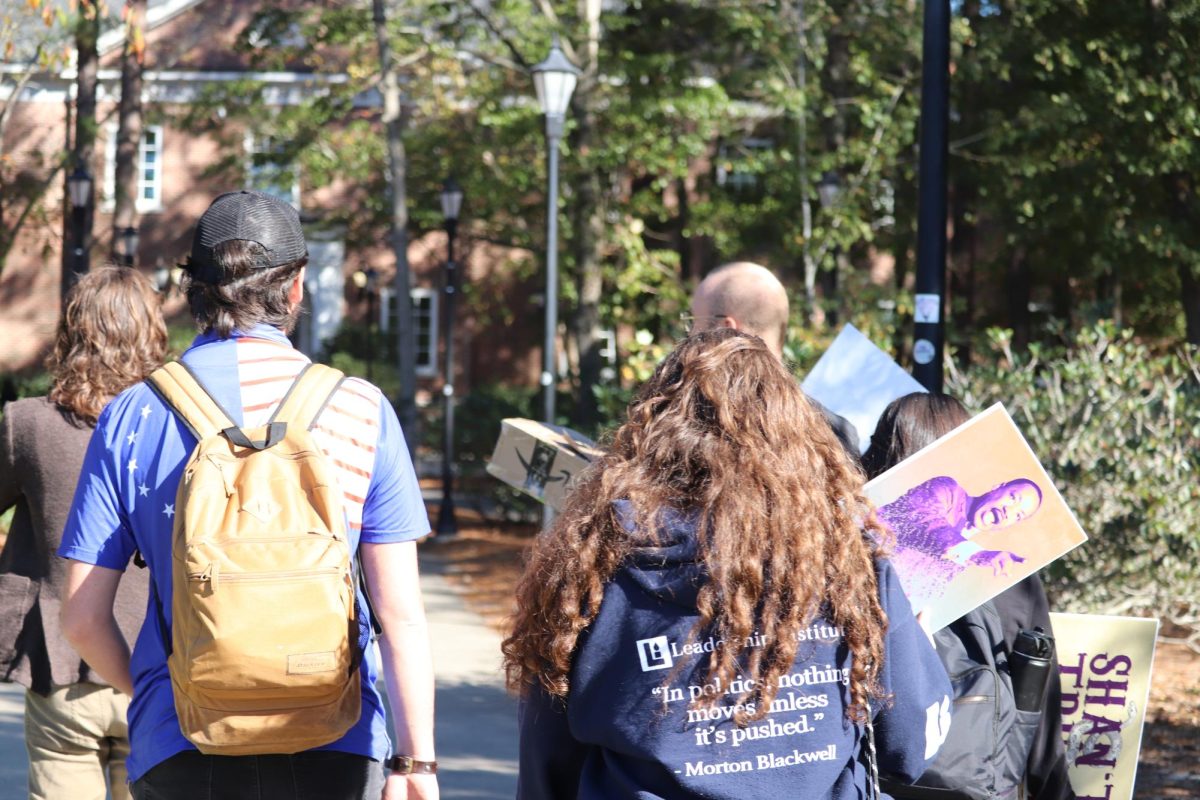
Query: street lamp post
[
  {"x": 79, "y": 192},
  {"x": 554, "y": 79},
  {"x": 452, "y": 197},
  {"x": 128, "y": 245},
  {"x": 829, "y": 189},
  {"x": 929, "y": 301}
]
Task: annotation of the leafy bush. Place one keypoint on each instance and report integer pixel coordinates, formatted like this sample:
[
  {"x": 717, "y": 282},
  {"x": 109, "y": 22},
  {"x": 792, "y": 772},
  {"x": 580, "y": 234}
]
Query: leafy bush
[
  {"x": 33, "y": 384},
  {"x": 1117, "y": 425},
  {"x": 364, "y": 352}
]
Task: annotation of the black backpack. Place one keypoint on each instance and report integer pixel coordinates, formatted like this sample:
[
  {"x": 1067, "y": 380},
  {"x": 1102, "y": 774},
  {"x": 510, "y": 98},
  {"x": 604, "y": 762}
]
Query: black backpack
[{"x": 985, "y": 754}]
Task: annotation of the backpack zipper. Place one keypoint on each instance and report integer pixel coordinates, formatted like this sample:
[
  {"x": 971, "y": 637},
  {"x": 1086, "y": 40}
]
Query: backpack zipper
[{"x": 212, "y": 574}]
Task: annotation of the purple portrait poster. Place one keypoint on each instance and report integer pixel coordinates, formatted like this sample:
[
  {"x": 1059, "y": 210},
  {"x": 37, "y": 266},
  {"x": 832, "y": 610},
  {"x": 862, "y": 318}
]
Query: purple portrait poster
[{"x": 972, "y": 513}]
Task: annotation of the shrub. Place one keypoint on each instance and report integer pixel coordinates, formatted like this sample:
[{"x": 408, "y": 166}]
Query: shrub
[
  {"x": 1117, "y": 425},
  {"x": 361, "y": 352}
]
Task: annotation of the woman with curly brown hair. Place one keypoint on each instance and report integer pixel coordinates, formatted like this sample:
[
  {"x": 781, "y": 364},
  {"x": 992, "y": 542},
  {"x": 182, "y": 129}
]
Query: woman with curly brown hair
[
  {"x": 111, "y": 335},
  {"x": 711, "y": 616}
]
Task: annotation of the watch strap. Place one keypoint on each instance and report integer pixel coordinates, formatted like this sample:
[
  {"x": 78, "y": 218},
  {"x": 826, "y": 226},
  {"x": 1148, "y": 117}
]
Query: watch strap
[{"x": 407, "y": 765}]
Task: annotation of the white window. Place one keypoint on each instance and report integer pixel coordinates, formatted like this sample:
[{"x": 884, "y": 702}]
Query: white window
[
  {"x": 739, "y": 166},
  {"x": 268, "y": 171},
  {"x": 609, "y": 353},
  {"x": 425, "y": 326},
  {"x": 149, "y": 169}
]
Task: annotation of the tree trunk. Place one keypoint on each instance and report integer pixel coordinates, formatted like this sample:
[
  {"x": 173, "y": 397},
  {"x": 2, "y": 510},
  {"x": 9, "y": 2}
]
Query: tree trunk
[
  {"x": 963, "y": 246},
  {"x": 834, "y": 79},
  {"x": 808, "y": 263},
  {"x": 129, "y": 125},
  {"x": 1189, "y": 285},
  {"x": 1018, "y": 298},
  {"x": 904, "y": 237},
  {"x": 77, "y": 224},
  {"x": 588, "y": 228},
  {"x": 1182, "y": 196},
  {"x": 395, "y": 119},
  {"x": 1062, "y": 300},
  {"x": 964, "y": 199}
]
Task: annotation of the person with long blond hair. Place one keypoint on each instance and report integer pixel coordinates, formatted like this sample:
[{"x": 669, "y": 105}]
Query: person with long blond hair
[
  {"x": 110, "y": 336},
  {"x": 712, "y": 614}
]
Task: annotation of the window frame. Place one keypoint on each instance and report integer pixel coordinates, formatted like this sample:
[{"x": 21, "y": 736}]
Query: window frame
[
  {"x": 251, "y": 142},
  {"x": 142, "y": 204},
  {"x": 387, "y": 313}
]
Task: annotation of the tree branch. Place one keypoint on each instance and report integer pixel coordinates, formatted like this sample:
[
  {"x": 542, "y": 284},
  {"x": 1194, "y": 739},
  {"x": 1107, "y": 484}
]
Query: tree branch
[
  {"x": 549, "y": 13},
  {"x": 6, "y": 110},
  {"x": 499, "y": 34}
]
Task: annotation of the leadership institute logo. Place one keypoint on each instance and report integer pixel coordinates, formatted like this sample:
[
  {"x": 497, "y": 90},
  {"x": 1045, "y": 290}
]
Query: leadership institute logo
[{"x": 654, "y": 653}]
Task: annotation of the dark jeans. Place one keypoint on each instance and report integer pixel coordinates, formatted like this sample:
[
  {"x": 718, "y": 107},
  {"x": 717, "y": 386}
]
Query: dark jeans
[{"x": 311, "y": 775}]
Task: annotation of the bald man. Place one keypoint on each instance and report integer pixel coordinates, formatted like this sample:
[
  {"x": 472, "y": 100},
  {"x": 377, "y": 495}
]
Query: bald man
[{"x": 749, "y": 298}]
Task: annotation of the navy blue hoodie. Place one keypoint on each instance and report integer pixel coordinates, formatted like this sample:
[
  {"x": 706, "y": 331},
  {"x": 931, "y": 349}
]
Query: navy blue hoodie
[{"x": 626, "y": 733}]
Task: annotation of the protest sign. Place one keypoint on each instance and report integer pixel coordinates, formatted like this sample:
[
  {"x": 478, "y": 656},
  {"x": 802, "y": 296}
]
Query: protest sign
[
  {"x": 856, "y": 379},
  {"x": 973, "y": 513},
  {"x": 1104, "y": 666}
]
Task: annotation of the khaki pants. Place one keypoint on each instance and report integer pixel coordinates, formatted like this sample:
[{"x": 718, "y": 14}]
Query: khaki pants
[{"x": 76, "y": 737}]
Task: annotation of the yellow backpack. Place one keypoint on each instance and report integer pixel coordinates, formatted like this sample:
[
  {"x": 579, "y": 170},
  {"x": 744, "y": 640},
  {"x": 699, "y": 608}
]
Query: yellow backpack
[{"x": 264, "y": 643}]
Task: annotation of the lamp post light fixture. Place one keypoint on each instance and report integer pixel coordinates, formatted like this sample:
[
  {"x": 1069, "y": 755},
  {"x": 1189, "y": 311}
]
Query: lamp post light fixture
[
  {"x": 79, "y": 192},
  {"x": 162, "y": 278},
  {"x": 79, "y": 187},
  {"x": 554, "y": 79},
  {"x": 451, "y": 197},
  {"x": 829, "y": 190},
  {"x": 128, "y": 245}
]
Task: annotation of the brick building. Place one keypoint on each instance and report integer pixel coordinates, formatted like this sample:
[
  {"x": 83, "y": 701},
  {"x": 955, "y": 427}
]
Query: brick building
[{"x": 190, "y": 46}]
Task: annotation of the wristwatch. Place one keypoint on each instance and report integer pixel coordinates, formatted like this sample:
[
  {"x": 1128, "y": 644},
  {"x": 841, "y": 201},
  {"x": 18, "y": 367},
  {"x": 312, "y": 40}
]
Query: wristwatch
[{"x": 406, "y": 765}]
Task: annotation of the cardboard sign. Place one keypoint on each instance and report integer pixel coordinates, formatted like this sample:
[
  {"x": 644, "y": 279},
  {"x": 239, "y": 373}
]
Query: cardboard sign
[
  {"x": 539, "y": 459},
  {"x": 1104, "y": 666},
  {"x": 856, "y": 379},
  {"x": 973, "y": 513}
]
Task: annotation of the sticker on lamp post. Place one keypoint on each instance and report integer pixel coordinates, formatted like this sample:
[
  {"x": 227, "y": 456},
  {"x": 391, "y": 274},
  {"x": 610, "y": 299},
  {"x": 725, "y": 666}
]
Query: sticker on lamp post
[
  {"x": 927, "y": 308},
  {"x": 923, "y": 351}
]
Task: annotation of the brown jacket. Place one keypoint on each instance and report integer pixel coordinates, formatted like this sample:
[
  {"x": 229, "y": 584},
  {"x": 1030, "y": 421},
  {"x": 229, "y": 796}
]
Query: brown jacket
[{"x": 41, "y": 452}]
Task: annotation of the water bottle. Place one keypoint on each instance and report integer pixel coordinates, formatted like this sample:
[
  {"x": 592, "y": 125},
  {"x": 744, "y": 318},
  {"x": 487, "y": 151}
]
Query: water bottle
[{"x": 1029, "y": 666}]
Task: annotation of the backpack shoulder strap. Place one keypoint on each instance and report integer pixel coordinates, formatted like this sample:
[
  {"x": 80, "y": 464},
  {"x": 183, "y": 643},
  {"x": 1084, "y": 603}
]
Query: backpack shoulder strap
[
  {"x": 180, "y": 389},
  {"x": 310, "y": 393}
]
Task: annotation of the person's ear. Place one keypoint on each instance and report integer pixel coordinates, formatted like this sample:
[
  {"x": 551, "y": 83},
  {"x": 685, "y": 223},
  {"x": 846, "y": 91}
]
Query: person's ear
[
  {"x": 727, "y": 321},
  {"x": 296, "y": 290}
]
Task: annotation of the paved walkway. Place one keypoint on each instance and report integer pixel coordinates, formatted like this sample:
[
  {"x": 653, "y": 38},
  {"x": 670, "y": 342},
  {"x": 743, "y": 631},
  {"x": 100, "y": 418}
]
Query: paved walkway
[{"x": 476, "y": 719}]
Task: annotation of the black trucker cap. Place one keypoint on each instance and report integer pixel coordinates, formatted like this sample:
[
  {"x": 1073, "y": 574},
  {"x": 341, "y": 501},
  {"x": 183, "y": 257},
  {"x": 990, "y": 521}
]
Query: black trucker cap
[{"x": 248, "y": 216}]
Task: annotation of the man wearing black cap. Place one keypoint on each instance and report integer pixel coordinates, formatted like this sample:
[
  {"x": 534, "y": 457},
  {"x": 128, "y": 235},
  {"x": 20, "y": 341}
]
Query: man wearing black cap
[{"x": 244, "y": 285}]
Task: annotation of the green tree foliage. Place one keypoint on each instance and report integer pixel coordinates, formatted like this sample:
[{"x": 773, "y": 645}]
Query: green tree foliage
[
  {"x": 682, "y": 141},
  {"x": 1080, "y": 129},
  {"x": 1117, "y": 425}
]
